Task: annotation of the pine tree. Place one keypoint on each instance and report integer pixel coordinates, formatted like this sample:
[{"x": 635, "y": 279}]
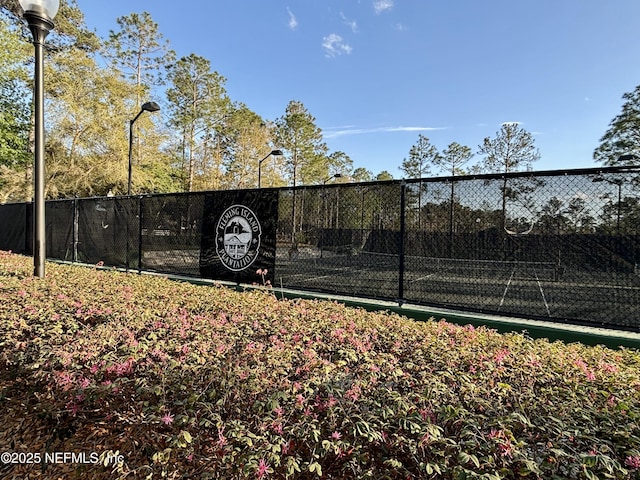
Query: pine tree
[
  {"x": 139, "y": 51},
  {"x": 197, "y": 104},
  {"x": 512, "y": 149},
  {"x": 620, "y": 145},
  {"x": 453, "y": 158},
  {"x": 421, "y": 156},
  {"x": 297, "y": 134},
  {"x": 245, "y": 138}
]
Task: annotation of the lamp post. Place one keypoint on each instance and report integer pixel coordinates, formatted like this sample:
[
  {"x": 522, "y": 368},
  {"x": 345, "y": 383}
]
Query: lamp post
[
  {"x": 39, "y": 15},
  {"x": 618, "y": 182},
  {"x": 337, "y": 175},
  {"x": 324, "y": 209},
  {"x": 275, "y": 153},
  {"x": 324, "y": 182},
  {"x": 146, "y": 107}
]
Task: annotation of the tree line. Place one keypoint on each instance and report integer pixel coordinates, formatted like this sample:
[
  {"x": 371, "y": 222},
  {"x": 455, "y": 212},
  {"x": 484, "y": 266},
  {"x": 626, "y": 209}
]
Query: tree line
[{"x": 204, "y": 140}]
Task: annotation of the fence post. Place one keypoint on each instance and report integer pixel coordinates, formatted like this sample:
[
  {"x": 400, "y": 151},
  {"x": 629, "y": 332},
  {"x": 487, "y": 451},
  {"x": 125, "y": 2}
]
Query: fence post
[
  {"x": 74, "y": 254},
  {"x": 451, "y": 217},
  {"x": 140, "y": 234},
  {"x": 403, "y": 190}
]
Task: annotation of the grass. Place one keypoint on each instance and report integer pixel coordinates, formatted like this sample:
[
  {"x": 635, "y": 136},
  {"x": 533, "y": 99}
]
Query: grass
[{"x": 150, "y": 378}]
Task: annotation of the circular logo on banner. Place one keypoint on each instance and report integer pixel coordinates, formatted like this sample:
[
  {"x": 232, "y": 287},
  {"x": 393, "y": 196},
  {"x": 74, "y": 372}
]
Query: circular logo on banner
[{"x": 238, "y": 238}]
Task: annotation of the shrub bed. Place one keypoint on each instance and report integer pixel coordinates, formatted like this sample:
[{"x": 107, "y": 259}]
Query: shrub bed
[{"x": 172, "y": 380}]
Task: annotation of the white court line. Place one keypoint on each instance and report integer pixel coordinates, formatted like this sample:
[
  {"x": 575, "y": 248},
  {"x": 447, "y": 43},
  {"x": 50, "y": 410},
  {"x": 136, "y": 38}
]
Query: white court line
[
  {"x": 506, "y": 288},
  {"x": 422, "y": 278},
  {"x": 544, "y": 299}
]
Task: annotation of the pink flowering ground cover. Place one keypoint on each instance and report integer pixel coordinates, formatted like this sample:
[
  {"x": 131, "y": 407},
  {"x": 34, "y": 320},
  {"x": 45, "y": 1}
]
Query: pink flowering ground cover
[{"x": 183, "y": 381}]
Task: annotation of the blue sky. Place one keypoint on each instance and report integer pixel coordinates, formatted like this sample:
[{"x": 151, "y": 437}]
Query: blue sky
[{"x": 377, "y": 73}]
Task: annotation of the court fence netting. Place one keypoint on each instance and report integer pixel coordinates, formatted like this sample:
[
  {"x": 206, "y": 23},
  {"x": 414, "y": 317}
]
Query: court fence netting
[{"x": 563, "y": 246}]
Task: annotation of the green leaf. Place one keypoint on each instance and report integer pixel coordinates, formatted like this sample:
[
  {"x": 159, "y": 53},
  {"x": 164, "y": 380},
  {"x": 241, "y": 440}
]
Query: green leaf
[
  {"x": 184, "y": 439},
  {"x": 362, "y": 428},
  {"x": 316, "y": 467},
  {"x": 393, "y": 463},
  {"x": 590, "y": 475},
  {"x": 292, "y": 466},
  {"x": 465, "y": 458}
]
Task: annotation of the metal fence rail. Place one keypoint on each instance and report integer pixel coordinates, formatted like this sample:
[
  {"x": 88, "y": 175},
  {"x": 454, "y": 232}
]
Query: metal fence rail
[{"x": 563, "y": 246}]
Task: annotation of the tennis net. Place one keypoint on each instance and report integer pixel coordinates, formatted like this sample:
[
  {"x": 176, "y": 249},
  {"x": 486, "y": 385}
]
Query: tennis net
[{"x": 463, "y": 267}]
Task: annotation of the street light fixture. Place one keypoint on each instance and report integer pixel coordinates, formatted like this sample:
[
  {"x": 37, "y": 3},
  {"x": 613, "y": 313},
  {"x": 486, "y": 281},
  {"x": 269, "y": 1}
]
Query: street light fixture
[
  {"x": 275, "y": 153},
  {"x": 628, "y": 159},
  {"x": 146, "y": 107},
  {"x": 39, "y": 15},
  {"x": 337, "y": 175}
]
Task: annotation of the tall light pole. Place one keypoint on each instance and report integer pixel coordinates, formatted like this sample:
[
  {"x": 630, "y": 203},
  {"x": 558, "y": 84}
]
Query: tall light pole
[
  {"x": 618, "y": 182},
  {"x": 146, "y": 107},
  {"x": 324, "y": 209},
  {"x": 39, "y": 15},
  {"x": 272, "y": 152}
]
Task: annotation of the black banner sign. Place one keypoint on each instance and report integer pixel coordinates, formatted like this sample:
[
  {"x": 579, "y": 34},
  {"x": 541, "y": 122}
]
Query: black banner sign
[{"x": 239, "y": 235}]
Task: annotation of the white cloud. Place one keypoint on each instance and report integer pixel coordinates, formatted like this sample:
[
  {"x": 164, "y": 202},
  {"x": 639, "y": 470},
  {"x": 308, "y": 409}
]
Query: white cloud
[
  {"x": 293, "y": 21},
  {"x": 381, "y": 5},
  {"x": 350, "y": 23},
  {"x": 334, "y": 45},
  {"x": 351, "y": 130},
  {"x": 400, "y": 27}
]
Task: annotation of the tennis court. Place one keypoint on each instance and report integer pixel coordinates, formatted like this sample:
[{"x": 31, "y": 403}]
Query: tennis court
[{"x": 543, "y": 289}]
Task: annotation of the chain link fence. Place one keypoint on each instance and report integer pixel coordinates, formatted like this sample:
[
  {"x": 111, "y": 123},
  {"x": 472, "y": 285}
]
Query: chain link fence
[{"x": 561, "y": 246}]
